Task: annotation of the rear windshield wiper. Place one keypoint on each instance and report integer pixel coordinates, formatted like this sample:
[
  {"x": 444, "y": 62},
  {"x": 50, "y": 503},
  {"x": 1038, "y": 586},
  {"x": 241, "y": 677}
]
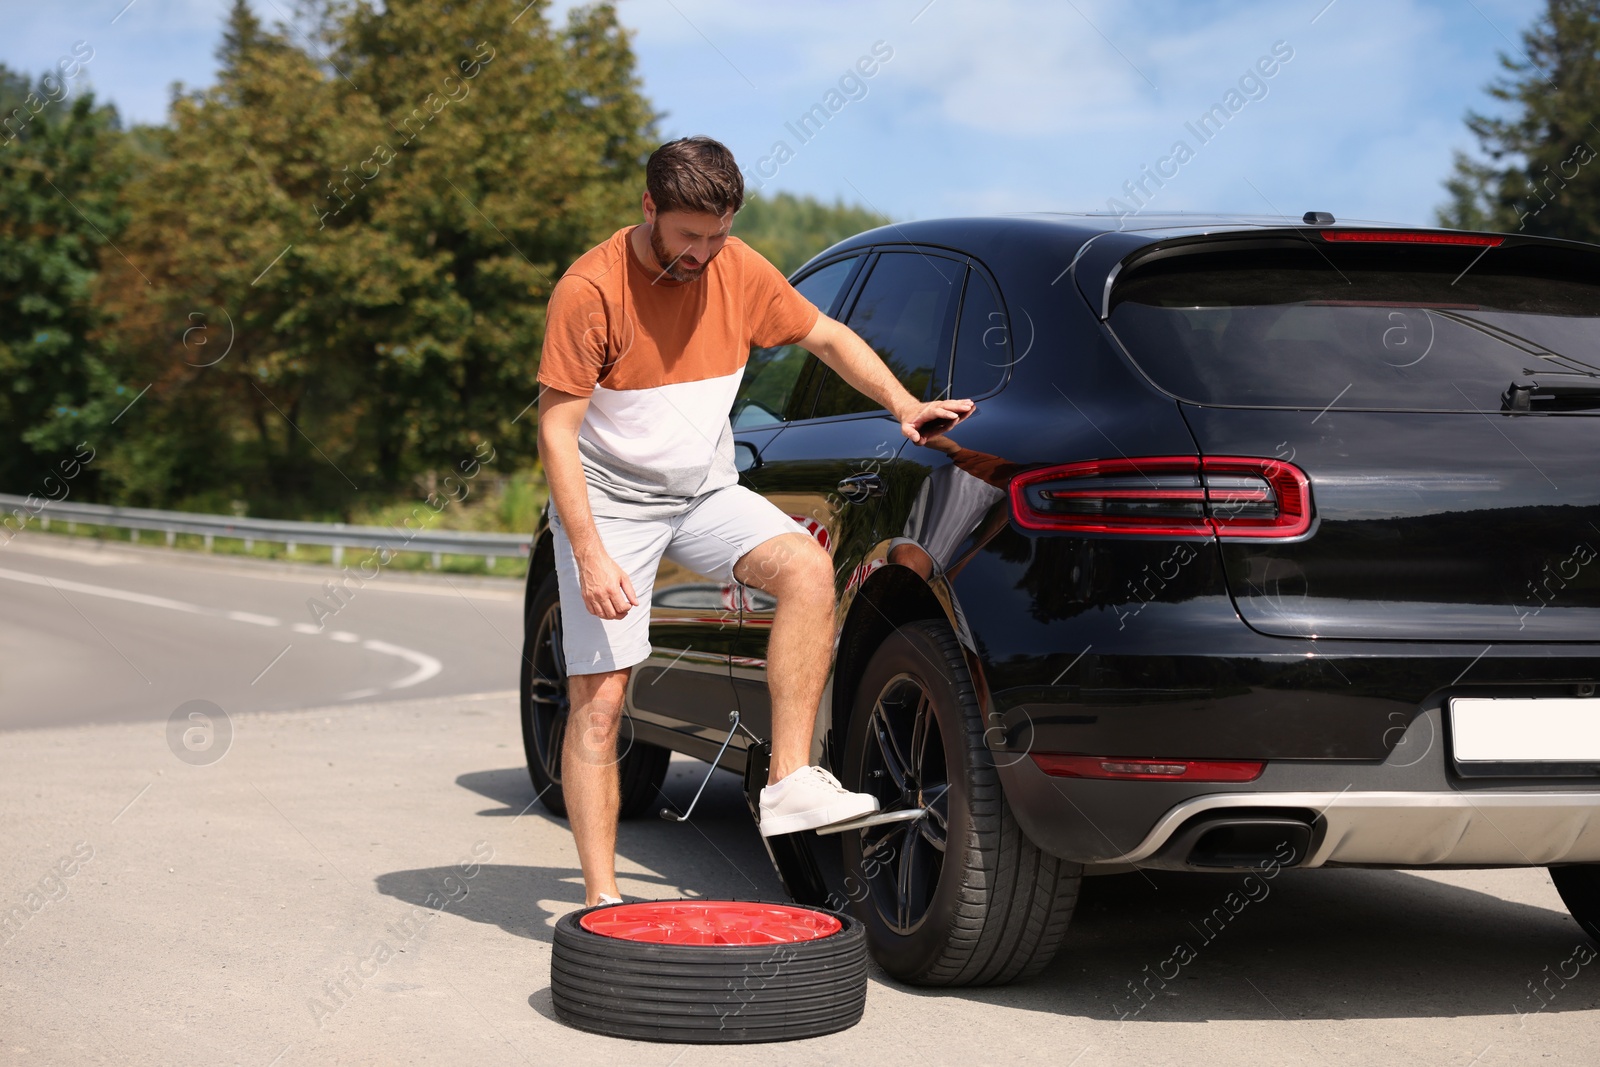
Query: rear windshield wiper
[
  {"x": 1569, "y": 365},
  {"x": 1553, "y": 391}
]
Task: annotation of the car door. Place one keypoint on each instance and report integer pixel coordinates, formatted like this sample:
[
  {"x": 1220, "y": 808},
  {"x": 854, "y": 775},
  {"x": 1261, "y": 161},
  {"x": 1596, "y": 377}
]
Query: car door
[
  {"x": 956, "y": 485},
  {"x": 831, "y": 465}
]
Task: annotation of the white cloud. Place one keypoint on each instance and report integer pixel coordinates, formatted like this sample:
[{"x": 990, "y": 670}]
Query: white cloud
[
  {"x": 1036, "y": 104},
  {"x": 1023, "y": 70},
  {"x": 1361, "y": 121}
]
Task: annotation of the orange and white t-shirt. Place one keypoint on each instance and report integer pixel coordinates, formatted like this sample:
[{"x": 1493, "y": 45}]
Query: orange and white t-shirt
[{"x": 661, "y": 362}]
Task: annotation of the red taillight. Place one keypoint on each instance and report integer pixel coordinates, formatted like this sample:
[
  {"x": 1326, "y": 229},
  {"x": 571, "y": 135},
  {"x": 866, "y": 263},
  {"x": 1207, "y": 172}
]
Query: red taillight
[
  {"x": 1149, "y": 770},
  {"x": 1166, "y": 496},
  {"x": 1412, "y": 237}
]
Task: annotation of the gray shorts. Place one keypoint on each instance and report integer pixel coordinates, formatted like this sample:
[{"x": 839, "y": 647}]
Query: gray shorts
[{"x": 708, "y": 538}]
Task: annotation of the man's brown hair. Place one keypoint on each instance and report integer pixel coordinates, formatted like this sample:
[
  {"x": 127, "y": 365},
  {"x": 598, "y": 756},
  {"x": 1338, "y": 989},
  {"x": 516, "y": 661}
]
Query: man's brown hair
[{"x": 694, "y": 174}]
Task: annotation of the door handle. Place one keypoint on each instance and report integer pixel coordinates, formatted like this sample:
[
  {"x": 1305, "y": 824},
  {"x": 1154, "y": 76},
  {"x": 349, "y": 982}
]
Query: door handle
[{"x": 859, "y": 488}]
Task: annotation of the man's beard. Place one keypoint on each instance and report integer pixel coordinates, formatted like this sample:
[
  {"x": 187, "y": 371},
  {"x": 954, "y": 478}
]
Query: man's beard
[{"x": 669, "y": 262}]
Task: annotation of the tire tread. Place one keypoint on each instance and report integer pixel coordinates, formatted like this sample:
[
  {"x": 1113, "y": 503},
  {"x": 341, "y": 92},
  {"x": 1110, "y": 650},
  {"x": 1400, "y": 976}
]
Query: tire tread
[
  {"x": 1014, "y": 901},
  {"x": 708, "y": 994}
]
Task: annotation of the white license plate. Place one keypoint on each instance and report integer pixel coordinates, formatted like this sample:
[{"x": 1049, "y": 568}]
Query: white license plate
[{"x": 1525, "y": 729}]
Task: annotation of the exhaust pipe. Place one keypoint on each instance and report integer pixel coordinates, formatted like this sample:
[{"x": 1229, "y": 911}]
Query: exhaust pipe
[{"x": 1222, "y": 842}]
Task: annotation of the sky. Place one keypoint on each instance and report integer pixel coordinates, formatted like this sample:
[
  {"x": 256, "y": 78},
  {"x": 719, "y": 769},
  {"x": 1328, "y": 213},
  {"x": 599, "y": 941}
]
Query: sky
[{"x": 983, "y": 106}]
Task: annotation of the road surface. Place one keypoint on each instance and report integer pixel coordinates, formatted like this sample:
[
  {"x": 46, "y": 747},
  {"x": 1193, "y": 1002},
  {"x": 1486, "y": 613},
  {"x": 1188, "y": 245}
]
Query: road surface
[
  {"x": 224, "y": 902},
  {"x": 98, "y": 632}
]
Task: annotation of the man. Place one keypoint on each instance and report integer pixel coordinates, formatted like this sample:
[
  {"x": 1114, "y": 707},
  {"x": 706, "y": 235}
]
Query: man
[{"x": 646, "y": 340}]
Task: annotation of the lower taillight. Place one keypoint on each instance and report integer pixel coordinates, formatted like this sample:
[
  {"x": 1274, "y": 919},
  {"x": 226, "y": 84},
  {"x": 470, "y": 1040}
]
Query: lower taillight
[
  {"x": 1166, "y": 496},
  {"x": 1149, "y": 770}
]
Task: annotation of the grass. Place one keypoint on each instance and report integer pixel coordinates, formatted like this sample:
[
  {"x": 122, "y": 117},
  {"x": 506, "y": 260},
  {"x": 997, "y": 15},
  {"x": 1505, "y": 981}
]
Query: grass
[{"x": 505, "y": 505}]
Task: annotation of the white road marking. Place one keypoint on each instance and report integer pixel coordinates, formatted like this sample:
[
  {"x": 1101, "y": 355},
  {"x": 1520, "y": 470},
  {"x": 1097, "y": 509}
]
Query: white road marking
[
  {"x": 305, "y": 628},
  {"x": 250, "y": 617},
  {"x": 426, "y": 665},
  {"x": 391, "y": 581},
  {"x": 112, "y": 594},
  {"x": 89, "y": 557}
]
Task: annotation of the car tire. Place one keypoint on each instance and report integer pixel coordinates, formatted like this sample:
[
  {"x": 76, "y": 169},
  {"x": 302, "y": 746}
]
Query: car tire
[
  {"x": 737, "y": 989},
  {"x": 1579, "y": 886},
  {"x": 641, "y": 767},
  {"x": 998, "y": 910}
]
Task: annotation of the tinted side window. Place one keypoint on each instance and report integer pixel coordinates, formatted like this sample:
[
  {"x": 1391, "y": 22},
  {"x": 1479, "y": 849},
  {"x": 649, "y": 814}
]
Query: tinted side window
[
  {"x": 983, "y": 340},
  {"x": 905, "y": 313},
  {"x": 770, "y": 375}
]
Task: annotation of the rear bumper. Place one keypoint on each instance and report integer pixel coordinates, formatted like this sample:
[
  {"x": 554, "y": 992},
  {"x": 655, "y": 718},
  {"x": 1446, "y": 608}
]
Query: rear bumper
[
  {"x": 1408, "y": 810},
  {"x": 1398, "y": 829}
]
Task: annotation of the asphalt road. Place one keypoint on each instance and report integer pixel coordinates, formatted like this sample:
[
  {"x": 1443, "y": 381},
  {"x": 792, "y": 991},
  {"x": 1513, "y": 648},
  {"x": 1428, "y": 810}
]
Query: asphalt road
[
  {"x": 218, "y": 898},
  {"x": 97, "y": 632}
]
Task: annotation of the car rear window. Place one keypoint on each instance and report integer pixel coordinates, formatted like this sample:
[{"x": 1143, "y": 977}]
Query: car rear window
[{"x": 1378, "y": 326}]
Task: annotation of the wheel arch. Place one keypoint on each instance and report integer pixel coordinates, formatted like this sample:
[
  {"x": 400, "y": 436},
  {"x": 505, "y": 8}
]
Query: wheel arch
[{"x": 889, "y": 597}]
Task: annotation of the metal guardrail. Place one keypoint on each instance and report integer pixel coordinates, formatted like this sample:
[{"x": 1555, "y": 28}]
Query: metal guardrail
[{"x": 17, "y": 512}]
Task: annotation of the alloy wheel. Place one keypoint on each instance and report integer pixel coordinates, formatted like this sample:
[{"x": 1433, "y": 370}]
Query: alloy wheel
[
  {"x": 905, "y": 767},
  {"x": 549, "y": 699}
]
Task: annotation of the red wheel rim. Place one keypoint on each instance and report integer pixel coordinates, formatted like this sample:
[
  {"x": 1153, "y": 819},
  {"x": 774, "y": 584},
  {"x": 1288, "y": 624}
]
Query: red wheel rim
[{"x": 710, "y": 922}]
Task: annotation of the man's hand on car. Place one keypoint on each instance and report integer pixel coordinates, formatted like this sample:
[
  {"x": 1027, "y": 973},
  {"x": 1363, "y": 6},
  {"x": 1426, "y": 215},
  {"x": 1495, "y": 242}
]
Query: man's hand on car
[{"x": 911, "y": 422}]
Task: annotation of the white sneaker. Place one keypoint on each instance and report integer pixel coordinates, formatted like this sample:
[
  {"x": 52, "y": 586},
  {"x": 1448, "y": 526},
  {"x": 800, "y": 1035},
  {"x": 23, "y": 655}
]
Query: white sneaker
[
  {"x": 607, "y": 898},
  {"x": 807, "y": 799}
]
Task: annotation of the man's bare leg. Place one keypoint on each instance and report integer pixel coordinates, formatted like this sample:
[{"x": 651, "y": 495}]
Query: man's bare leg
[
  {"x": 799, "y": 573},
  {"x": 589, "y": 776}
]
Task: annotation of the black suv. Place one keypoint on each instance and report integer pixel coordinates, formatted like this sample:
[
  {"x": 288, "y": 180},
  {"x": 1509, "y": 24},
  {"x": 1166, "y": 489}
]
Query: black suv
[{"x": 1272, "y": 544}]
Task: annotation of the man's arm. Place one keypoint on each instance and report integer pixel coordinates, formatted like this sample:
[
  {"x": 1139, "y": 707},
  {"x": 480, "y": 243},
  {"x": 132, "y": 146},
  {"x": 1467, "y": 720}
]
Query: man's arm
[
  {"x": 607, "y": 589},
  {"x": 842, "y": 348}
]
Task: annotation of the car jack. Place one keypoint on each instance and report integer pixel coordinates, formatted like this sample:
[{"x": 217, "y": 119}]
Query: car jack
[
  {"x": 857, "y": 822},
  {"x": 733, "y": 717},
  {"x": 791, "y": 856}
]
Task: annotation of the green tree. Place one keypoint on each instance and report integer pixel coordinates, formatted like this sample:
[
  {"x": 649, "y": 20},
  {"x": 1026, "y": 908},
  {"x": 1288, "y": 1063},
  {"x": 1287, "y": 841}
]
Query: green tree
[
  {"x": 226, "y": 306},
  {"x": 534, "y": 151},
  {"x": 14, "y": 89},
  {"x": 790, "y": 229},
  {"x": 370, "y": 208},
  {"x": 61, "y": 164},
  {"x": 1539, "y": 174}
]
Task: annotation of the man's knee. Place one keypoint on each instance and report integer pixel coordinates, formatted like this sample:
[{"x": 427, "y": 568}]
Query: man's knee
[
  {"x": 604, "y": 688},
  {"x": 812, "y": 574},
  {"x": 596, "y": 709},
  {"x": 795, "y": 564}
]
